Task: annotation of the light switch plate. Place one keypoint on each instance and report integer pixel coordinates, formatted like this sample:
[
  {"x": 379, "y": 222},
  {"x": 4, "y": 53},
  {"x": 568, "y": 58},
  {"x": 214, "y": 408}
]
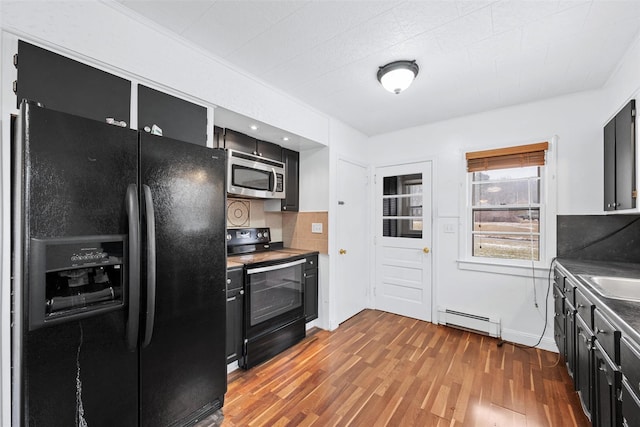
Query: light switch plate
[{"x": 316, "y": 227}]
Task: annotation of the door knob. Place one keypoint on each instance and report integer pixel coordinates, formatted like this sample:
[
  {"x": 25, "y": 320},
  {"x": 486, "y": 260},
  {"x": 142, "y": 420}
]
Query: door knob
[
  {"x": 343, "y": 251},
  {"x": 425, "y": 250}
]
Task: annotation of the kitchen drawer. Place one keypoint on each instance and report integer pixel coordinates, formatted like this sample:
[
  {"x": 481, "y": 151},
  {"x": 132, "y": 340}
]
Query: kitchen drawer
[
  {"x": 569, "y": 291},
  {"x": 630, "y": 364},
  {"x": 584, "y": 308},
  {"x": 607, "y": 335},
  {"x": 558, "y": 279},
  {"x": 630, "y": 406},
  {"x": 235, "y": 278}
]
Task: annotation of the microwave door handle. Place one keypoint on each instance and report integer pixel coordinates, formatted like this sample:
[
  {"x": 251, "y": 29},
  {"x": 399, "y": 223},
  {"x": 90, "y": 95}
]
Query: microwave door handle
[
  {"x": 151, "y": 266},
  {"x": 133, "y": 315},
  {"x": 275, "y": 180}
]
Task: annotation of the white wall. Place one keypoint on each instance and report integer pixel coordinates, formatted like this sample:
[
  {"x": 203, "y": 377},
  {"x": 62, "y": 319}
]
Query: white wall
[
  {"x": 577, "y": 120},
  {"x": 104, "y": 32},
  {"x": 509, "y": 297},
  {"x": 314, "y": 180}
]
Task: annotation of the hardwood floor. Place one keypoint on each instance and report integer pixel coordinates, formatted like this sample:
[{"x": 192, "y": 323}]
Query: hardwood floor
[{"x": 380, "y": 369}]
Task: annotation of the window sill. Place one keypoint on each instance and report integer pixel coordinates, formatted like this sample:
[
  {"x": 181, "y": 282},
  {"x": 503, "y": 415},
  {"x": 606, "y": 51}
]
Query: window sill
[{"x": 541, "y": 271}]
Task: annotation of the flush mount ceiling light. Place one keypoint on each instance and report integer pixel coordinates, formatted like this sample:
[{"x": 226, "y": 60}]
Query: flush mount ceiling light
[{"x": 398, "y": 75}]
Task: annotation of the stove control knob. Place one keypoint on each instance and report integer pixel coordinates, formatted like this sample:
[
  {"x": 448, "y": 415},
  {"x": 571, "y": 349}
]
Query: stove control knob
[
  {"x": 266, "y": 234},
  {"x": 259, "y": 235}
]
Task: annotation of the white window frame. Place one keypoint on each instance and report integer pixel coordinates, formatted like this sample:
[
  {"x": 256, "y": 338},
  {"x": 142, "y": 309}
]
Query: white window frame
[{"x": 547, "y": 249}]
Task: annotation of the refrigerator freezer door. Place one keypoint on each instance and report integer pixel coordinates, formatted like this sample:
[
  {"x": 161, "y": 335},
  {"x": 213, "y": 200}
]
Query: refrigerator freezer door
[
  {"x": 75, "y": 175},
  {"x": 183, "y": 369}
]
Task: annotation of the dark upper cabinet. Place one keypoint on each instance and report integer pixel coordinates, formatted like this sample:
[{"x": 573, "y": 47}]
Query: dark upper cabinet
[
  {"x": 218, "y": 137},
  {"x": 269, "y": 150},
  {"x": 62, "y": 84},
  {"x": 291, "y": 159},
  {"x": 234, "y": 140},
  {"x": 178, "y": 119},
  {"x": 619, "y": 160}
]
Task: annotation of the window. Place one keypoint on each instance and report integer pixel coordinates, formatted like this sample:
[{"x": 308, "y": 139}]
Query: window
[
  {"x": 402, "y": 206},
  {"x": 505, "y": 202}
]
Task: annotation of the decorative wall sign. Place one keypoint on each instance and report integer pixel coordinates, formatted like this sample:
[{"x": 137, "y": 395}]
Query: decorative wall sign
[{"x": 238, "y": 213}]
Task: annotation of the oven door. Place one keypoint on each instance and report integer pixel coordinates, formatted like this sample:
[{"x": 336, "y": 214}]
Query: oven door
[
  {"x": 253, "y": 176},
  {"x": 274, "y": 296}
]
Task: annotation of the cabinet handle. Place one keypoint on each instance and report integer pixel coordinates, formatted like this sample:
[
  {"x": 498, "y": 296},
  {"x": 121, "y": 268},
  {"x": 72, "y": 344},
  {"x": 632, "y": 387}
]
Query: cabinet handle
[
  {"x": 601, "y": 331},
  {"x": 231, "y": 299},
  {"x": 228, "y": 281},
  {"x": 580, "y": 306},
  {"x": 260, "y": 154},
  {"x": 241, "y": 292},
  {"x": 255, "y": 153}
]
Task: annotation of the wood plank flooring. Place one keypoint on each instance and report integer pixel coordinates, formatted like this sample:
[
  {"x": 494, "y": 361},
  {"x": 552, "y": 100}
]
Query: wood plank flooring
[{"x": 380, "y": 369}]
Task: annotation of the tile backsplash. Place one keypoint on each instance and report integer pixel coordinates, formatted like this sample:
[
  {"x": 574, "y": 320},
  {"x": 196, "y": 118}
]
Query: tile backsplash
[
  {"x": 250, "y": 213},
  {"x": 296, "y": 231}
]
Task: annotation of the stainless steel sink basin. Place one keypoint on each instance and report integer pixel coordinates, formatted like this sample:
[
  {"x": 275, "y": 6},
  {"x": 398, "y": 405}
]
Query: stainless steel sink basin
[{"x": 615, "y": 287}]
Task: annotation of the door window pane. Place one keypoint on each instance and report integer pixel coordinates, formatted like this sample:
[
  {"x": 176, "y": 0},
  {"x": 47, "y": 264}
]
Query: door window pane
[{"x": 402, "y": 206}]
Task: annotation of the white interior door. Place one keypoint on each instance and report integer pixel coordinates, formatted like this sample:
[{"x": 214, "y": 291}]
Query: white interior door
[
  {"x": 403, "y": 240},
  {"x": 352, "y": 226}
]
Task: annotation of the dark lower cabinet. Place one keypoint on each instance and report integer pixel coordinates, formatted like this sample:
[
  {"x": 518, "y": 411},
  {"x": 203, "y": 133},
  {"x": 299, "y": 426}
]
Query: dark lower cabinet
[
  {"x": 570, "y": 317},
  {"x": 607, "y": 380},
  {"x": 179, "y": 119},
  {"x": 235, "y": 314},
  {"x": 559, "y": 322},
  {"x": 311, "y": 288},
  {"x": 62, "y": 84},
  {"x": 630, "y": 406},
  {"x": 584, "y": 364}
]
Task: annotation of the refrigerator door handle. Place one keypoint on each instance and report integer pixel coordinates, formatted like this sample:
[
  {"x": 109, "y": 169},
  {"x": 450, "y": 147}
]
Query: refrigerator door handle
[
  {"x": 133, "y": 215},
  {"x": 151, "y": 265}
]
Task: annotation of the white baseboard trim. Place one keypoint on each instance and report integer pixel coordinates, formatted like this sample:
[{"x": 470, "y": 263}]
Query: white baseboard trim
[
  {"x": 524, "y": 338},
  {"x": 233, "y": 366}
]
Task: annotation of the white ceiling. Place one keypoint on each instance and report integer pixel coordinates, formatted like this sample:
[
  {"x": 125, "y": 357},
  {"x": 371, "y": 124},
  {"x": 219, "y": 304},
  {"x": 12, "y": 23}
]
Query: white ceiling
[{"x": 474, "y": 55}]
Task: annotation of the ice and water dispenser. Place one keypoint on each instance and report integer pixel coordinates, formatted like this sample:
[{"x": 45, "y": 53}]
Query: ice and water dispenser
[{"x": 72, "y": 278}]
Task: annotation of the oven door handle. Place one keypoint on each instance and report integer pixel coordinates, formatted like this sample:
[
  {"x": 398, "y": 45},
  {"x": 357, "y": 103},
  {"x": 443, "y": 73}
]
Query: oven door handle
[{"x": 276, "y": 267}]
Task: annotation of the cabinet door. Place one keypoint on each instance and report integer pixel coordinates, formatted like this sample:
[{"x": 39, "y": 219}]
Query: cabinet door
[
  {"x": 62, "y": 84},
  {"x": 291, "y": 160},
  {"x": 178, "y": 119},
  {"x": 625, "y": 157},
  {"x": 311, "y": 289},
  {"x": 607, "y": 378},
  {"x": 269, "y": 150},
  {"x": 559, "y": 321},
  {"x": 584, "y": 363},
  {"x": 630, "y": 406},
  {"x": 570, "y": 346},
  {"x": 610, "y": 165},
  {"x": 239, "y": 141},
  {"x": 235, "y": 314}
]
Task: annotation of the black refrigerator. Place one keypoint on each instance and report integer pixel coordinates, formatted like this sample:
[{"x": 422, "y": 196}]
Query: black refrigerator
[{"x": 119, "y": 275}]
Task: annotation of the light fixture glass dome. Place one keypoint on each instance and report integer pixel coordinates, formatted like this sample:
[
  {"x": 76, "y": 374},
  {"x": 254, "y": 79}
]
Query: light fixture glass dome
[{"x": 397, "y": 76}]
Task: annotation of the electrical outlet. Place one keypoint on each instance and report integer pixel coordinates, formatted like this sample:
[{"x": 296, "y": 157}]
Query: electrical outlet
[{"x": 316, "y": 227}]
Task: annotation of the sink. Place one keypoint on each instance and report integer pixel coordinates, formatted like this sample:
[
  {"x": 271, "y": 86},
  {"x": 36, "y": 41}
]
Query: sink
[{"x": 615, "y": 287}]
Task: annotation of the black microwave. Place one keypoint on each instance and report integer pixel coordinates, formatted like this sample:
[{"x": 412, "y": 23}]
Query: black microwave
[{"x": 254, "y": 176}]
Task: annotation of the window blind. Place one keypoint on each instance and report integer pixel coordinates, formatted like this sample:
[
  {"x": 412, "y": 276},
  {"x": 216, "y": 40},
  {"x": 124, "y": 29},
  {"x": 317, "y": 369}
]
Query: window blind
[{"x": 508, "y": 157}]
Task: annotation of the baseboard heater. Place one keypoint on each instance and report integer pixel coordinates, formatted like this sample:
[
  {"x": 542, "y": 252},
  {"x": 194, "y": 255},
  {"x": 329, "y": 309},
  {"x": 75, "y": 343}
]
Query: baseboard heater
[{"x": 470, "y": 322}]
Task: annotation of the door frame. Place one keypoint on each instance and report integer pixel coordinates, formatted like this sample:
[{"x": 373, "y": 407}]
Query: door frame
[{"x": 435, "y": 243}]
